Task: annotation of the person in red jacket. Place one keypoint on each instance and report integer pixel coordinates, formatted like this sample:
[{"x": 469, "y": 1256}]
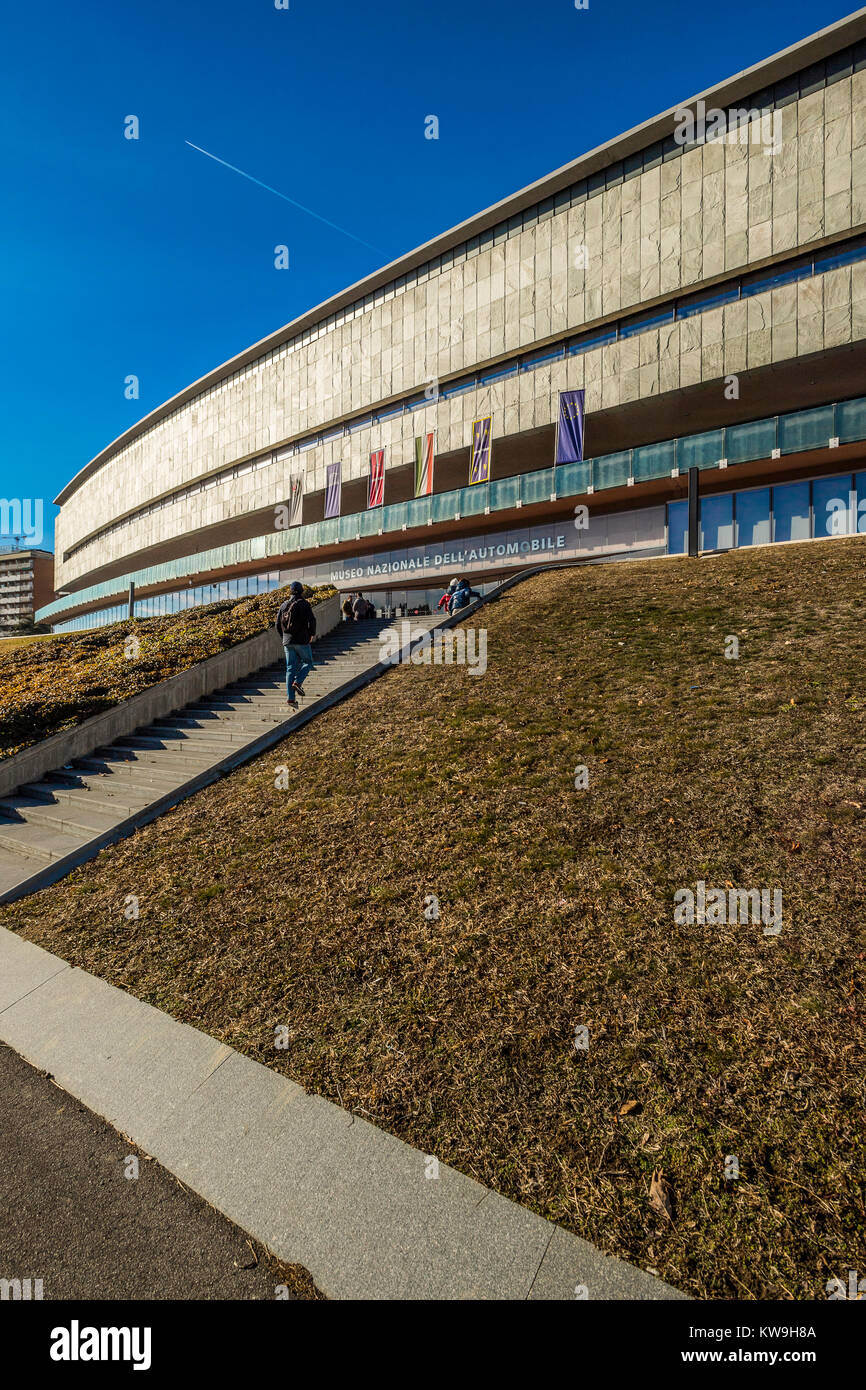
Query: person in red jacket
[{"x": 446, "y": 597}]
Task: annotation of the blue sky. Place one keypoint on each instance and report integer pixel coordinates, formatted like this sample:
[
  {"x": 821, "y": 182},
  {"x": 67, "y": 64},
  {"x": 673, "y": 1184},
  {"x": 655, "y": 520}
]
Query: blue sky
[{"x": 146, "y": 257}]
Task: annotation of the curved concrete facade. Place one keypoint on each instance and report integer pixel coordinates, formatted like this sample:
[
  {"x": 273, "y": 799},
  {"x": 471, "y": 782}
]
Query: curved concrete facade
[{"x": 637, "y": 227}]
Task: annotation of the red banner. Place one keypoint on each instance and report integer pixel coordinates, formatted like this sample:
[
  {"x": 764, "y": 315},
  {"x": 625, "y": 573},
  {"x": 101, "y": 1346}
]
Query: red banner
[{"x": 376, "y": 490}]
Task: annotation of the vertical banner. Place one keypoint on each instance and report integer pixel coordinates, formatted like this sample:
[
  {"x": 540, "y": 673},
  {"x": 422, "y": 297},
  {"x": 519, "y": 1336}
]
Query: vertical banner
[
  {"x": 332, "y": 496},
  {"x": 376, "y": 490},
  {"x": 296, "y": 499},
  {"x": 479, "y": 462},
  {"x": 569, "y": 429},
  {"x": 423, "y": 465}
]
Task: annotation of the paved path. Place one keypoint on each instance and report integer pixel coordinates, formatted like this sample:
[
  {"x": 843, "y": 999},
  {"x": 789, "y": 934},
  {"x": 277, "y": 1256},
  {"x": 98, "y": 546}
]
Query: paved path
[
  {"x": 70, "y": 1217},
  {"x": 367, "y": 1215}
]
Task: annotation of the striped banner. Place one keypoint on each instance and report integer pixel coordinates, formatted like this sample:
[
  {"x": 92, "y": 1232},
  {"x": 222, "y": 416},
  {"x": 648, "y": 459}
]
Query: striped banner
[
  {"x": 335, "y": 485},
  {"x": 423, "y": 465},
  {"x": 296, "y": 499},
  {"x": 479, "y": 461},
  {"x": 376, "y": 490}
]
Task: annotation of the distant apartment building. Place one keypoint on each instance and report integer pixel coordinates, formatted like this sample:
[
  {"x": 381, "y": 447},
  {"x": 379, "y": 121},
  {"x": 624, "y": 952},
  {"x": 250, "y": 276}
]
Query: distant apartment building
[{"x": 26, "y": 583}]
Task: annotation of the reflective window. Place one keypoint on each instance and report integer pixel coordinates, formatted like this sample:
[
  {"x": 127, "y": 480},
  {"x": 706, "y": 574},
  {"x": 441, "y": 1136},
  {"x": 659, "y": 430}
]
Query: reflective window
[
  {"x": 594, "y": 340},
  {"x": 791, "y": 520},
  {"x": 700, "y": 450},
  {"x": 508, "y": 370},
  {"x": 755, "y": 440},
  {"x": 831, "y": 506},
  {"x": 807, "y": 429},
  {"x": 530, "y": 363},
  {"x": 832, "y": 261},
  {"x": 643, "y": 325},
  {"x": 753, "y": 517},
  {"x": 717, "y": 522},
  {"x": 700, "y": 304},
  {"x": 613, "y": 470},
  {"x": 851, "y": 420},
  {"x": 654, "y": 460},
  {"x": 772, "y": 282},
  {"x": 678, "y": 528}
]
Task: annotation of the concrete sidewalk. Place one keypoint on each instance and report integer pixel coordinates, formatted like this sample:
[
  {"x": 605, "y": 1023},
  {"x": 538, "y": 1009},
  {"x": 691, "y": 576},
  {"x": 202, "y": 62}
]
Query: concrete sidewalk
[{"x": 317, "y": 1185}]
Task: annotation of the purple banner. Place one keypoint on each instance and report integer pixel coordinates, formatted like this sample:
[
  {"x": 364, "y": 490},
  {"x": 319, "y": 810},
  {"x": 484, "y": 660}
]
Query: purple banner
[
  {"x": 332, "y": 496},
  {"x": 479, "y": 458},
  {"x": 569, "y": 435}
]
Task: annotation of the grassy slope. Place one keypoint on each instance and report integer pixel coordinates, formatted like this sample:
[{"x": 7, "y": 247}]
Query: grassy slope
[
  {"x": 303, "y": 907},
  {"x": 50, "y": 685},
  {"x": 9, "y": 644}
]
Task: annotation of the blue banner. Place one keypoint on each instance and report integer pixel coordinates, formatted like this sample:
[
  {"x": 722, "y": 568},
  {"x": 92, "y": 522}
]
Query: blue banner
[{"x": 569, "y": 434}]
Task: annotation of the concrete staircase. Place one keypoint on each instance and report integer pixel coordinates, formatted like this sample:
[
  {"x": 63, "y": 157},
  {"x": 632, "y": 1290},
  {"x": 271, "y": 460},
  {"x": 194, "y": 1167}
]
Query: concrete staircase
[{"x": 49, "y": 827}]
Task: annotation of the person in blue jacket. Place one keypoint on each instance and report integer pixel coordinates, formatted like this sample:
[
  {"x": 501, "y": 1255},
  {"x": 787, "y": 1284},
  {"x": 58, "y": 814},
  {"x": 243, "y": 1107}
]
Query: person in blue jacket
[{"x": 462, "y": 596}]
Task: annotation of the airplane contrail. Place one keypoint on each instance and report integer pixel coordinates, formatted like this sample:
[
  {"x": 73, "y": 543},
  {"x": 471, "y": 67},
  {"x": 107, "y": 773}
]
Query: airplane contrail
[{"x": 308, "y": 211}]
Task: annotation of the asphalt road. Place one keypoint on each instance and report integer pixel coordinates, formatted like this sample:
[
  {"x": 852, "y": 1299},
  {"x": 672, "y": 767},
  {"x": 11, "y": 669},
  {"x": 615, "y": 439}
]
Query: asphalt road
[{"x": 70, "y": 1216}]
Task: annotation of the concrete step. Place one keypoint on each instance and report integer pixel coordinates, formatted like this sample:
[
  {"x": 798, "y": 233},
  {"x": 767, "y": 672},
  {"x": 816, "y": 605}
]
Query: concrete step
[
  {"x": 224, "y": 737},
  {"x": 185, "y": 738},
  {"x": 121, "y": 772},
  {"x": 237, "y": 712},
  {"x": 180, "y": 747},
  {"x": 277, "y": 702},
  {"x": 14, "y": 868},
  {"x": 220, "y": 698},
  {"x": 38, "y": 842},
  {"x": 358, "y": 655},
  {"x": 81, "y": 821},
  {"x": 248, "y": 692},
  {"x": 210, "y": 720},
  {"x": 326, "y": 680},
  {"x": 230, "y": 720},
  {"x": 359, "y": 649},
  {"x": 276, "y": 710},
  {"x": 347, "y": 668},
  {"x": 257, "y": 693},
  {"x": 161, "y": 756},
  {"x": 123, "y": 799},
  {"x": 172, "y": 741}
]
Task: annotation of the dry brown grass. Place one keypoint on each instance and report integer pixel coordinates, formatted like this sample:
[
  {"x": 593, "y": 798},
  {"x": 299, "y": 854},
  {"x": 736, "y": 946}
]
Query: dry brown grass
[{"x": 262, "y": 907}]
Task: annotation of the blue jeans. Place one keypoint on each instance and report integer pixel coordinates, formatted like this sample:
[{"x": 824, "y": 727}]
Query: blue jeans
[{"x": 299, "y": 664}]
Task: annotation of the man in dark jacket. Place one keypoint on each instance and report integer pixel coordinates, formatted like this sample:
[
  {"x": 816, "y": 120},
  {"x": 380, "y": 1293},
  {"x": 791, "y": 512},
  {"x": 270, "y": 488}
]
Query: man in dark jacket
[{"x": 296, "y": 625}]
